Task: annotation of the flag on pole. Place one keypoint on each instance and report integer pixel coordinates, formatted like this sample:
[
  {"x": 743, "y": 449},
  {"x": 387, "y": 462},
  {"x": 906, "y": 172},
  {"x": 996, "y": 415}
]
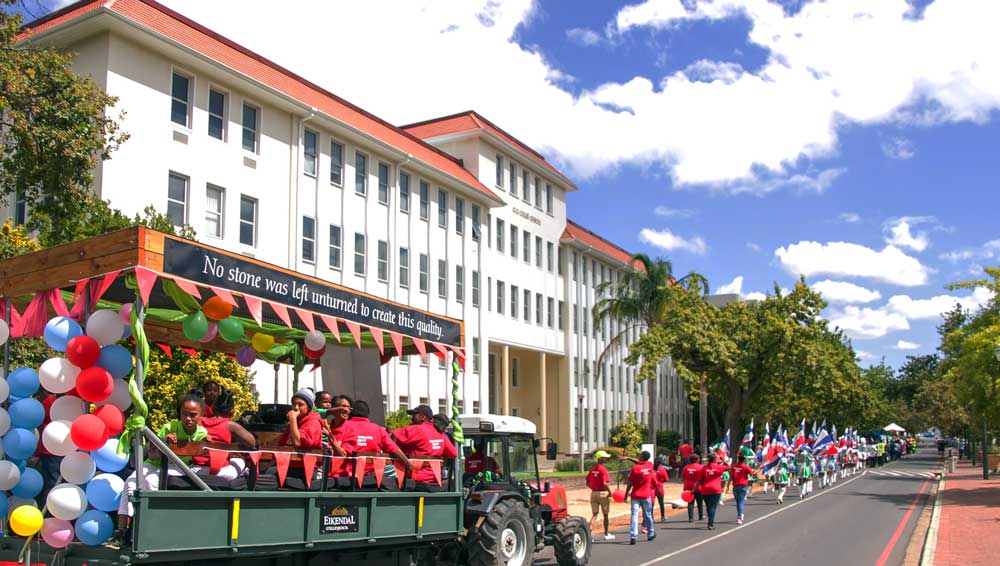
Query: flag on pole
[
  {"x": 800, "y": 438},
  {"x": 748, "y": 437},
  {"x": 823, "y": 441}
]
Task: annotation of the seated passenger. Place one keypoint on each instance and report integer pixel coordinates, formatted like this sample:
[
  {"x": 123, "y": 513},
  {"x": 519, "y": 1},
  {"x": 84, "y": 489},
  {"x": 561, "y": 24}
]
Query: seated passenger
[
  {"x": 324, "y": 400},
  {"x": 361, "y": 436},
  {"x": 210, "y": 391},
  {"x": 422, "y": 438},
  {"x": 337, "y": 417},
  {"x": 305, "y": 427},
  {"x": 221, "y": 429}
]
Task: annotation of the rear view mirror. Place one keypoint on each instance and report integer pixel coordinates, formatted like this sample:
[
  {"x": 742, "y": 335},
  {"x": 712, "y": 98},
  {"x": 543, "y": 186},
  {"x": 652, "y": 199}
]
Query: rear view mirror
[{"x": 551, "y": 451}]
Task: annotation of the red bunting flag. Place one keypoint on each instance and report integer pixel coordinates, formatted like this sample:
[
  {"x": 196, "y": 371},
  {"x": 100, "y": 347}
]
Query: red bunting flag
[
  {"x": 306, "y": 318},
  {"x": 217, "y": 459},
  {"x": 335, "y": 464},
  {"x": 166, "y": 350},
  {"x": 397, "y": 342},
  {"x": 355, "y": 329},
  {"x": 436, "y": 469},
  {"x": 400, "y": 472},
  {"x": 281, "y": 462},
  {"x": 254, "y": 305},
  {"x": 441, "y": 352},
  {"x": 225, "y": 295},
  {"x": 379, "y": 470},
  {"x": 459, "y": 351},
  {"x": 189, "y": 351},
  {"x": 309, "y": 466},
  {"x": 282, "y": 313},
  {"x": 80, "y": 286},
  {"x": 146, "y": 279},
  {"x": 255, "y": 458},
  {"x": 103, "y": 288},
  {"x": 188, "y": 287},
  {"x": 421, "y": 347},
  {"x": 377, "y": 335},
  {"x": 331, "y": 325},
  {"x": 461, "y": 363},
  {"x": 359, "y": 469}
]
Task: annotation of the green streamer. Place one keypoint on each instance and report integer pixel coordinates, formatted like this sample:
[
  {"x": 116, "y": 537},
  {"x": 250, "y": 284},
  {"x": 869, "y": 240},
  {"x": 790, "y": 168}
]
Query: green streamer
[
  {"x": 137, "y": 420},
  {"x": 459, "y": 434}
]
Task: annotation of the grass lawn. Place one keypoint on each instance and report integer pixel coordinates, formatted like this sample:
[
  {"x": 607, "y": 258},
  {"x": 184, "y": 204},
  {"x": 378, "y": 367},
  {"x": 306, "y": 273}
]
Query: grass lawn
[{"x": 574, "y": 473}]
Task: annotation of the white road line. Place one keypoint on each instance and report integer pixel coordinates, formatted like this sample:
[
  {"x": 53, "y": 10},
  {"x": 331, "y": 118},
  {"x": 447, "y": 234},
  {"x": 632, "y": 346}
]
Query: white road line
[{"x": 745, "y": 525}]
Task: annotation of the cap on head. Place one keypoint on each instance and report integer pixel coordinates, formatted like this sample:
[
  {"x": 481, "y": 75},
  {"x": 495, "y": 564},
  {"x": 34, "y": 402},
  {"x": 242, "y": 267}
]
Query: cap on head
[
  {"x": 306, "y": 395},
  {"x": 601, "y": 455},
  {"x": 423, "y": 410}
]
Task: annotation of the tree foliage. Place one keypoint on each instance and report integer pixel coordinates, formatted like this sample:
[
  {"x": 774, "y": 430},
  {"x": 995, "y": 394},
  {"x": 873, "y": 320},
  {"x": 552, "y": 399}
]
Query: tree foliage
[{"x": 629, "y": 434}]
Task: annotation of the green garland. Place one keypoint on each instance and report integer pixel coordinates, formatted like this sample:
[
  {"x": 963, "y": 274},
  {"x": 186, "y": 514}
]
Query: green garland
[
  {"x": 459, "y": 434},
  {"x": 137, "y": 421}
]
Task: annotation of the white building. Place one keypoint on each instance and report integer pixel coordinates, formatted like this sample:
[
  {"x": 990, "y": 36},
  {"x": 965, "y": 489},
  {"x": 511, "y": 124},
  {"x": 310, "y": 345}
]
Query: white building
[{"x": 452, "y": 215}]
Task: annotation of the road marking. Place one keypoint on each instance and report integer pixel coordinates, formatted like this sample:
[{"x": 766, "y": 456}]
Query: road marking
[
  {"x": 899, "y": 530},
  {"x": 747, "y": 524}
]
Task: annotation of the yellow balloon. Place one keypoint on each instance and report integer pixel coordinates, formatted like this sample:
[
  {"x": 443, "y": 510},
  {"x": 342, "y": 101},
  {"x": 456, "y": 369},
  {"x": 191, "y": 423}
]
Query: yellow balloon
[
  {"x": 262, "y": 342},
  {"x": 26, "y": 520}
]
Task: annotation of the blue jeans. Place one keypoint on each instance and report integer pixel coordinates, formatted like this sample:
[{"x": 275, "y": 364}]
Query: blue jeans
[
  {"x": 740, "y": 493},
  {"x": 711, "y": 505},
  {"x": 645, "y": 507}
]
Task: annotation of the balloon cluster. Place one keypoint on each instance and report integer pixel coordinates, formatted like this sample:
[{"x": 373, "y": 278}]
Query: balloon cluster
[
  {"x": 215, "y": 319},
  {"x": 90, "y": 376}
]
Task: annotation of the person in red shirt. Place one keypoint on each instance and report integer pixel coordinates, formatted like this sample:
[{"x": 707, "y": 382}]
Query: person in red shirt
[
  {"x": 210, "y": 391},
  {"x": 479, "y": 461},
  {"x": 741, "y": 474},
  {"x": 685, "y": 450},
  {"x": 642, "y": 486},
  {"x": 690, "y": 475},
  {"x": 305, "y": 429},
  {"x": 365, "y": 437},
  {"x": 661, "y": 476},
  {"x": 710, "y": 484},
  {"x": 598, "y": 481},
  {"x": 221, "y": 429},
  {"x": 423, "y": 439}
]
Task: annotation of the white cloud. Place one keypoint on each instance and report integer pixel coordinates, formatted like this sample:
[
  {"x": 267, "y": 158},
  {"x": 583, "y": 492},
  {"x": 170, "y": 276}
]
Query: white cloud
[
  {"x": 667, "y": 240},
  {"x": 584, "y": 36},
  {"x": 989, "y": 250},
  {"x": 904, "y": 345},
  {"x": 898, "y": 148},
  {"x": 843, "y": 259},
  {"x": 867, "y": 323},
  {"x": 777, "y": 119},
  {"x": 668, "y": 212},
  {"x": 849, "y": 218},
  {"x": 934, "y": 307},
  {"x": 898, "y": 232},
  {"x": 735, "y": 287},
  {"x": 754, "y": 296},
  {"x": 798, "y": 183},
  {"x": 845, "y": 293},
  {"x": 863, "y": 355},
  {"x": 753, "y": 247}
]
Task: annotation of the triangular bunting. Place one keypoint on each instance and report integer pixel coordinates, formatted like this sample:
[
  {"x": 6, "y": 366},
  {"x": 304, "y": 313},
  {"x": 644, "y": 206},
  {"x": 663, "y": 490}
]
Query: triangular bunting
[
  {"x": 281, "y": 462},
  {"x": 306, "y": 318},
  {"x": 254, "y": 305},
  {"x": 225, "y": 295},
  {"x": 459, "y": 351},
  {"x": 80, "y": 286},
  {"x": 189, "y": 351},
  {"x": 217, "y": 459},
  {"x": 400, "y": 472},
  {"x": 282, "y": 313},
  {"x": 255, "y": 458},
  {"x": 435, "y": 469},
  {"x": 359, "y": 469},
  {"x": 166, "y": 350},
  {"x": 441, "y": 352},
  {"x": 331, "y": 324},
  {"x": 315, "y": 367},
  {"x": 146, "y": 279},
  {"x": 335, "y": 464},
  {"x": 377, "y": 335},
  {"x": 379, "y": 470},
  {"x": 103, "y": 287},
  {"x": 421, "y": 347},
  {"x": 397, "y": 342},
  {"x": 461, "y": 362},
  {"x": 355, "y": 329},
  {"x": 309, "y": 466},
  {"x": 188, "y": 287}
]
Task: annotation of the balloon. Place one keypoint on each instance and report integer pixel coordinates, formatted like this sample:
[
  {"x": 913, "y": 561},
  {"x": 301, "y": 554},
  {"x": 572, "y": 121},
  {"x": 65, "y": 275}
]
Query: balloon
[
  {"x": 26, "y": 520},
  {"x": 246, "y": 356},
  {"x": 687, "y": 496},
  {"x": 83, "y": 351},
  {"x": 67, "y": 408},
  {"x": 107, "y": 457},
  {"x": 23, "y": 382},
  {"x": 116, "y": 359},
  {"x": 217, "y": 309},
  {"x": 57, "y": 533},
  {"x": 89, "y": 432},
  {"x": 104, "y": 492},
  {"x": 105, "y": 326},
  {"x": 315, "y": 340},
  {"x": 56, "y": 438},
  {"x": 26, "y": 413},
  {"x": 618, "y": 496},
  {"x": 58, "y": 375},
  {"x": 4, "y": 422},
  {"x": 4, "y": 332},
  {"x": 112, "y": 417},
  {"x": 30, "y": 484},
  {"x": 213, "y": 331},
  {"x": 59, "y": 331},
  {"x": 95, "y": 384},
  {"x": 4, "y": 390},
  {"x": 230, "y": 329},
  {"x": 262, "y": 342},
  {"x": 9, "y": 475},
  {"x": 120, "y": 397},
  {"x": 79, "y": 467},
  {"x": 94, "y": 527},
  {"x": 125, "y": 313},
  {"x": 314, "y": 354},
  {"x": 195, "y": 325}
]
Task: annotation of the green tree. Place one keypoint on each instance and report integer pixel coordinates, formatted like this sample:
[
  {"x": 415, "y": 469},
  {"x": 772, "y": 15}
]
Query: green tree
[
  {"x": 629, "y": 434},
  {"x": 397, "y": 419}
]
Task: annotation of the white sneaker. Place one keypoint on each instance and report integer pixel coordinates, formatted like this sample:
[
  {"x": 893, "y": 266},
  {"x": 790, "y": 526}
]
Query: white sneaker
[{"x": 609, "y": 536}]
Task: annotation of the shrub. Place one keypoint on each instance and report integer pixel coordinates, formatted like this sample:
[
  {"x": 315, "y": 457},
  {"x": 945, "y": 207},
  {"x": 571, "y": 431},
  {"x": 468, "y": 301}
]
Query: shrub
[
  {"x": 397, "y": 419},
  {"x": 573, "y": 465},
  {"x": 167, "y": 380},
  {"x": 616, "y": 451},
  {"x": 669, "y": 439},
  {"x": 629, "y": 434}
]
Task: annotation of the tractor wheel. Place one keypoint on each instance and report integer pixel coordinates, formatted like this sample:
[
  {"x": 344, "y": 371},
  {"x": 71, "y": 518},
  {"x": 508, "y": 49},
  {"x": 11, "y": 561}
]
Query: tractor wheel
[
  {"x": 506, "y": 537},
  {"x": 572, "y": 542}
]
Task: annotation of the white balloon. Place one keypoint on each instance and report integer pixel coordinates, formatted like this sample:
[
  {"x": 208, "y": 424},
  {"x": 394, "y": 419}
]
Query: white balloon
[
  {"x": 9, "y": 475},
  {"x": 315, "y": 340},
  {"x": 4, "y": 390},
  {"x": 67, "y": 408},
  {"x": 4, "y": 422},
  {"x": 119, "y": 397},
  {"x": 78, "y": 468},
  {"x": 4, "y": 332},
  {"x": 105, "y": 326},
  {"x": 58, "y": 375},
  {"x": 66, "y": 501},
  {"x": 56, "y": 439}
]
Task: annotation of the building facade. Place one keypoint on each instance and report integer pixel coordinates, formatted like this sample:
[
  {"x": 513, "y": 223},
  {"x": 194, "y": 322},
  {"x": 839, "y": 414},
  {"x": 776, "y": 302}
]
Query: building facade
[{"x": 452, "y": 215}]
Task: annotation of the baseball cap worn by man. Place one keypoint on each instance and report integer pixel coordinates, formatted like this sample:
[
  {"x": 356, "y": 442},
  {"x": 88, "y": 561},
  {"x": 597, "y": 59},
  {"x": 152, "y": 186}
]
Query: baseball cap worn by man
[
  {"x": 602, "y": 455},
  {"x": 423, "y": 410}
]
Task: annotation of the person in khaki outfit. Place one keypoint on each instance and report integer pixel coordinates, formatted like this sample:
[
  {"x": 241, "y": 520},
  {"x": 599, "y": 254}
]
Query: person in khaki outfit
[{"x": 600, "y": 492}]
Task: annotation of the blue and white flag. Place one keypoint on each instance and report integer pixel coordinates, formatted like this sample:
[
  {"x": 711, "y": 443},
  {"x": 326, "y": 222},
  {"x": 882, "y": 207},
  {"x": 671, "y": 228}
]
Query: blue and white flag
[{"x": 748, "y": 437}]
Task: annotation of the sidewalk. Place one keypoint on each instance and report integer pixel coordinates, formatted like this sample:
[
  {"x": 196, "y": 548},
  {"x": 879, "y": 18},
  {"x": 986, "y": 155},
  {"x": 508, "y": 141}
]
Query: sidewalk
[{"x": 969, "y": 524}]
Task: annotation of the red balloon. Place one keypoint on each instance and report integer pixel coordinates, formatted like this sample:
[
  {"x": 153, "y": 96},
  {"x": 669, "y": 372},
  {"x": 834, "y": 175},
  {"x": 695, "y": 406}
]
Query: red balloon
[
  {"x": 95, "y": 384},
  {"x": 618, "y": 496},
  {"x": 687, "y": 496},
  {"x": 83, "y": 351},
  {"x": 314, "y": 354},
  {"x": 112, "y": 417},
  {"x": 88, "y": 432}
]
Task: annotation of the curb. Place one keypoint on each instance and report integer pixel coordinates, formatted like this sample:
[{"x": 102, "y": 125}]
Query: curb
[{"x": 930, "y": 542}]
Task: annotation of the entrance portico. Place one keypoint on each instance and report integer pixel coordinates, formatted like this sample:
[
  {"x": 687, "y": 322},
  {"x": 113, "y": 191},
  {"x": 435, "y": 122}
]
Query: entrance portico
[{"x": 531, "y": 384}]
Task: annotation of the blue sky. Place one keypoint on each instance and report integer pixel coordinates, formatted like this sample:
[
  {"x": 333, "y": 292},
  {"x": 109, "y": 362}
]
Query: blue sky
[{"x": 853, "y": 141}]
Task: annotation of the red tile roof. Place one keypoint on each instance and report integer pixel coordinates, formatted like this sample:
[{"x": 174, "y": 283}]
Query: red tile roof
[
  {"x": 472, "y": 120},
  {"x": 161, "y": 20},
  {"x": 576, "y": 232}
]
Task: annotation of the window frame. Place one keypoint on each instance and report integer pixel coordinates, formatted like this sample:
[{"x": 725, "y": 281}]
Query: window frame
[
  {"x": 362, "y": 255},
  {"x": 526, "y": 247},
  {"x": 220, "y": 213},
  {"x": 189, "y": 77},
  {"x": 514, "y": 301},
  {"x": 311, "y": 240},
  {"x": 361, "y": 176},
  {"x": 424, "y": 189},
  {"x": 459, "y": 215},
  {"x": 337, "y": 167},
  {"x": 476, "y": 289},
  {"x": 383, "y": 187},
  {"x": 335, "y": 245},
  {"x": 442, "y": 202},
  {"x": 424, "y": 273},
  {"x": 539, "y": 309},
  {"x": 514, "y": 240},
  {"x": 253, "y": 223},
  {"x": 501, "y": 234},
  {"x": 442, "y": 279},
  {"x": 526, "y": 307},
  {"x": 499, "y": 171},
  {"x": 500, "y": 297},
  {"x": 550, "y": 250},
  {"x": 404, "y": 267},
  {"x": 20, "y": 212},
  {"x": 382, "y": 261},
  {"x": 254, "y": 131},
  {"x": 404, "y": 192},
  {"x": 459, "y": 283},
  {"x": 186, "y": 203},
  {"x": 223, "y": 134},
  {"x": 550, "y": 317},
  {"x": 549, "y": 198},
  {"x": 310, "y": 153},
  {"x": 512, "y": 170}
]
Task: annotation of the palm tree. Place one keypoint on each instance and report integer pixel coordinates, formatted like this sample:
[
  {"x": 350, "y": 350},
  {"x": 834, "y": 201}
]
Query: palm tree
[{"x": 638, "y": 301}]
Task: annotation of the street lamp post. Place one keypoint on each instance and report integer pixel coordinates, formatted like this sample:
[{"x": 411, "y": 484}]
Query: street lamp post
[
  {"x": 986, "y": 460},
  {"x": 579, "y": 428}
]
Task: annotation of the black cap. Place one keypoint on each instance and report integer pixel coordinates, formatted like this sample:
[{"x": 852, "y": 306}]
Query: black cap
[{"x": 423, "y": 410}]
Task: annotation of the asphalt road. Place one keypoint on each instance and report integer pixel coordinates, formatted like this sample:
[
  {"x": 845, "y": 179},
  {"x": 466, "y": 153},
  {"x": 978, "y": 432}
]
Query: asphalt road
[{"x": 865, "y": 519}]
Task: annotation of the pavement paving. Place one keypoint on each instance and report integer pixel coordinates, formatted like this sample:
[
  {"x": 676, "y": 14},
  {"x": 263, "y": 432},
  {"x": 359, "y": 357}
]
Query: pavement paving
[{"x": 968, "y": 530}]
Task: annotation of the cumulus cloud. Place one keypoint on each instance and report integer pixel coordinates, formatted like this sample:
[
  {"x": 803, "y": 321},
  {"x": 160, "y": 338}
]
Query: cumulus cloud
[
  {"x": 753, "y": 247},
  {"x": 584, "y": 36},
  {"x": 754, "y": 296},
  {"x": 843, "y": 292},
  {"x": 904, "y": 345},
  {"x": 899, "y": 232},
  {"x": 667, "y": 240},
  {"x": 843, "y": 259},
  {"x": 934, "y": 307},
  {"x": 899, "y": 310},
  {"x": 863, "y": 355},
  {"x": 668, "y": 212},
  {"x": 989, "y": 250},
  {"x": 734, "y": 287},
  {"x": 849, "y": 218},
  {"x": 865, "y": 323},
  {"x": 898, "y": 148}
]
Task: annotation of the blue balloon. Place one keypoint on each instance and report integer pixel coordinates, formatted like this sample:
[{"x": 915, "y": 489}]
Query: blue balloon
[
  {"x": 21, "y": 464},
  {"x": 107, "y": 458},
  {"x": 94, "y": 527},
  {"x": 23, "y": 382},
  {"x": 116, "y": 359},
  {"x": 19, "y": 444},
  {"x": 30, "y": 484},
  {"x": 59, "y": 331},
  {"x": 104, "y": 492},
  {"x": 4, "y": 504},
  {"x": 26, "y": 413}
]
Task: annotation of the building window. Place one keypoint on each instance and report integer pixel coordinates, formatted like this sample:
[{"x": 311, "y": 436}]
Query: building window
[
  {"x": 593, "y": 273},
  {"x": 499, "y": 171},
  {"x": 383, "y": 261},
  {"x": 310, "y": 148},
  {"x": 404, "y": 268},
  {"x": 548, "y": 198},
  {"x": 538, "y": 252},
  {"x": 550, "y": 258},
  {"x": 513, "y": 241},
  {"x": 425, "y": 267},
  {"x": 476, "y": 359},
  {"x": 562, "y": 315},
  {"x": 459, "y": 216},
  {"x": 515, "y": 372},
  {"x": 500, "y": 235},
  {"x": 527, "y": 305},
  {"x": 383, "y": 183},
  {"x": 404, "y": 402},
  {"x": 442, "y": 209},
  {"x": 526, "y": 255},
  {"x": 475, "y": 223},
  {"x": 425, "y": 198},
  {"x": 20, "y": 208},
  {"x": 586, "y": 321},
  {"x": 336, "y": 163},
  {"x": 476, "y": 408},
  {"x": 216, "y": 114},
  {"x": 538, "y": 196},
  {"x": 500, "y": 298},
  {"x": 475, "y": 288},
  {"x": 559, "y": 266},
  {"x": 513, "y": 180},
  {"x": 360, "y": 173},
  {"x": 550, "y": 315},
  {"x": 404, "y": 193},
  {"x": 180, "y": 94},
  {"x": 335, "y": 246},
  {"x": 250, "y": 127},
  {"x": 538, "y": 309},
  {"x": 308, "y": 239},
  {"x": 513, "y": 301},
  {"x": 524, "y": 182},
  {"x": 460, "y": 283},
  {"x": 359, "y": 253},
  {"x": 215, "y": 199},
  {"x": 248, "y": 220},
  {"x": 177, "y": 199},
  {"x": 442, "y": 279},
  {"x": 443, "y": 407}
]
